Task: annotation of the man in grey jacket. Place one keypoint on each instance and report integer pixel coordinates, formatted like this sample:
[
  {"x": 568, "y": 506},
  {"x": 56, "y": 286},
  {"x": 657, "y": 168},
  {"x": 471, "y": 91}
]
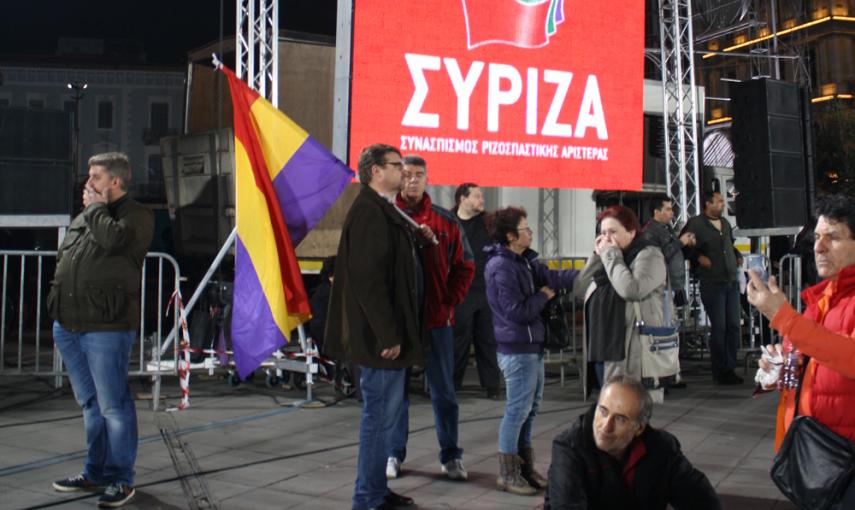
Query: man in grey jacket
[{"x": 658, "y": 231}]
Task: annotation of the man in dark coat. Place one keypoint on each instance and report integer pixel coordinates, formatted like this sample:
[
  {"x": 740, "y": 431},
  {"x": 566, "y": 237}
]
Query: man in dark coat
[
  {"x": 94, "y": 301},
  {"x": 716, "y": 262},
  {"x": 473, "y": 319},
  {"x": 611, "y": 458},
  {"x": 373, "y": 318}
]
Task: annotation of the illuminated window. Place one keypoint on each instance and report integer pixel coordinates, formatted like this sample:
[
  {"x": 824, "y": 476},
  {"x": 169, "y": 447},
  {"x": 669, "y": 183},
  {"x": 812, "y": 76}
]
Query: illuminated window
[{"x": 828, "y": 89}]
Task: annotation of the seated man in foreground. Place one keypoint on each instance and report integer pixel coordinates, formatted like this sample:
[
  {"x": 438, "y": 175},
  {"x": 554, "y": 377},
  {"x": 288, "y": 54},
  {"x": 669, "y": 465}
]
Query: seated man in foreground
[{"x": 611, "y": 458}]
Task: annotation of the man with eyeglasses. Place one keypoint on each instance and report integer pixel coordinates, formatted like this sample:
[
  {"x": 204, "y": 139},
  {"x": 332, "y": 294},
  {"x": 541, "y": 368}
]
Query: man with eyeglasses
[
  {"x": 373, "y": 318},
  {"x": 612, "y": 458},
  {"x": 448, "y": 269}
]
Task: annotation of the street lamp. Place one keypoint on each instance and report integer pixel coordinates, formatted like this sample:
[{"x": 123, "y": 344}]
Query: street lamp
[{"x": 77, "y": 89}]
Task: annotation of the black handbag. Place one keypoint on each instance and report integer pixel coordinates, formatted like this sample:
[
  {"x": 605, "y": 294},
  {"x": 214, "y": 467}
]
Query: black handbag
[
  {"x": 554, "y": 317},
  {"x": 814, "y": 466}
]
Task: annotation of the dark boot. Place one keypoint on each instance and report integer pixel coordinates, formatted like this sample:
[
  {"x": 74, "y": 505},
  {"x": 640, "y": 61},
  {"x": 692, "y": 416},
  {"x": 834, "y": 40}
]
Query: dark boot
[
  {"x": 527, "y": 470},
  {"x": 510, "y": 479}
]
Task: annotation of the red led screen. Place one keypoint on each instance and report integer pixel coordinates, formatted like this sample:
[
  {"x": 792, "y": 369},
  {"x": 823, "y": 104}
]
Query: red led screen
[{"x": 532, "y": 93}]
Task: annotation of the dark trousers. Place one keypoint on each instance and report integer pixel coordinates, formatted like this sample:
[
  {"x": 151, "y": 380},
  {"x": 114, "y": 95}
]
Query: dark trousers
[
  {"x": 721, "y": 302},
  {"x": 473, "y": 321}
]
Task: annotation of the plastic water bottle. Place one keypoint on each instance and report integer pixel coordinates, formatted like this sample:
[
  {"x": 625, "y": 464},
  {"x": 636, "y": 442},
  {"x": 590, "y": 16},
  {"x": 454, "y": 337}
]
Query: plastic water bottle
[{"x": 791, "y": 372}]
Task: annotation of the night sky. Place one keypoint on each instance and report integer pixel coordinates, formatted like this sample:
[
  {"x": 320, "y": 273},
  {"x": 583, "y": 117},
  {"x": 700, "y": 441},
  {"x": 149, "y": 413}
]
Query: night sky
[{"x": 167, "y": 29}]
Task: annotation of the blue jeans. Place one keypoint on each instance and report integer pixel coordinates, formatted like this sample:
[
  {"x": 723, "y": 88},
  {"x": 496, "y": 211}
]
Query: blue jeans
[
  {"x": 97, "y": 365},
  {"x": 440, "y": 375},
  {"x": 524, "y": 385},
  {"x": 382, "y": 395},
  {"x": 721, "y": 302}
]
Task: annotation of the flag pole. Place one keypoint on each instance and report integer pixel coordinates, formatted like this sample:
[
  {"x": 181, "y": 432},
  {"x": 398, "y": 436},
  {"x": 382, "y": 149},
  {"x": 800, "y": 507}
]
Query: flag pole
[
  {"x": 413, "y": 223},
  {"x": 202, "y": 284}
]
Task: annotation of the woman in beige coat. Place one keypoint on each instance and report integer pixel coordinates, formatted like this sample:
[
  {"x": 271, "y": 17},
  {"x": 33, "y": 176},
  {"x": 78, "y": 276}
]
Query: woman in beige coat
[{"x": 624, "y": 269}]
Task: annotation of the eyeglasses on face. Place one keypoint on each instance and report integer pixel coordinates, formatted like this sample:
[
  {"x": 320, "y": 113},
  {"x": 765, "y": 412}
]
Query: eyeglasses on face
[{"x": 399, "y": 165}]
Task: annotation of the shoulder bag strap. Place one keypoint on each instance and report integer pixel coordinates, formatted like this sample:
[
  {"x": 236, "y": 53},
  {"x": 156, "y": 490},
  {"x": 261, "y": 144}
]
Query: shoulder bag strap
[
  {"x": 668, "y": 305},
  {"x": 638, "y": 320}
]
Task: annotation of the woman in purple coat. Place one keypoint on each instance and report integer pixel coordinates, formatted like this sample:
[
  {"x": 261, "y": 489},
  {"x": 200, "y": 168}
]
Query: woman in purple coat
[{"x": 518, "y": 287}]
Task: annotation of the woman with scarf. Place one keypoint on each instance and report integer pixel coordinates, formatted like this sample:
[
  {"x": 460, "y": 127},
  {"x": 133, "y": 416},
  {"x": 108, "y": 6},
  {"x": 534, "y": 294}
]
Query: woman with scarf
[
  {"x": 624, "y": 269},
  {"x": 518, "y": 287}
]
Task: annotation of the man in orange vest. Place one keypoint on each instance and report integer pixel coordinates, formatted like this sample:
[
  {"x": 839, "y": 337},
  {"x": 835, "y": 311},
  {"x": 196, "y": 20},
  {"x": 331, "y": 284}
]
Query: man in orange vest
[{"x": 824, "y": 332}]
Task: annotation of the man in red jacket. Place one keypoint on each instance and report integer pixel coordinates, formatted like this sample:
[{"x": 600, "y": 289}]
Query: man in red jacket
[
  {"x": 448, "y": 268},
  {"x": 825, "y": 332}
]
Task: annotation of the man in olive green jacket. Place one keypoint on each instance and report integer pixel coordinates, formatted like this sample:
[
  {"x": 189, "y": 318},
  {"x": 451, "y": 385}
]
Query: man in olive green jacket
[
  {"x": 94, "y": 301},
  {"x": 715, "y": 260}
]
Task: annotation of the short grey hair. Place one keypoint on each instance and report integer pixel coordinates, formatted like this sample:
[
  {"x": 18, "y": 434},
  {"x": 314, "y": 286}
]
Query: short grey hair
[
  {"x": 641, "y": 393},
  {"x": 117, "y": 164},
  {"x": 414, "y": 160}
]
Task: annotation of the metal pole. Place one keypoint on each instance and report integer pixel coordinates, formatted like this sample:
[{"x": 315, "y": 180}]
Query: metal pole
[
  {"x": 198, "y": 292},
  {"x": 776, "y": 63}
]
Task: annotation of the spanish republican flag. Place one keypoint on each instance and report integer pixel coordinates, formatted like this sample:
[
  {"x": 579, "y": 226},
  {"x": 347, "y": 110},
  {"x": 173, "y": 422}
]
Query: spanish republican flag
[
  {"x": 520, "y": 23},
  {"x": 284, "y": 183}
]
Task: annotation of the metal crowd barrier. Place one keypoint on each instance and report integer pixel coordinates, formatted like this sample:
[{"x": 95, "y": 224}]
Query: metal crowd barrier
[
  {"x": 26, "y": 343},
  {"x": 574, "y": 356},
  {"x": 790, "y": 281}
]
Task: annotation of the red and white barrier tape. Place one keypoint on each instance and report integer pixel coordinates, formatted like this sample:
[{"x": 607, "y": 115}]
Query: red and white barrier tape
[{"x": 183, "y": 361}]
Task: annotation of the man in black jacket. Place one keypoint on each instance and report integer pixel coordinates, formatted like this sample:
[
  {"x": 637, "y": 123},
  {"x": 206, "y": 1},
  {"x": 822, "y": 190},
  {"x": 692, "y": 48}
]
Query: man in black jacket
[
  {"x": 373, "y": 318},
  {"x": 473, "y": 319},
  {"x": 94, "y": 301},
  {"x": 611, "y": 458}
]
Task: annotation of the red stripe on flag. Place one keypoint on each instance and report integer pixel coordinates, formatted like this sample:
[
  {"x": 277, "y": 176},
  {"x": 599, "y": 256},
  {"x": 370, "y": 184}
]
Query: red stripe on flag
[
  {"x": 506, "y": 21},
  {"x": 296, "y": 298}
]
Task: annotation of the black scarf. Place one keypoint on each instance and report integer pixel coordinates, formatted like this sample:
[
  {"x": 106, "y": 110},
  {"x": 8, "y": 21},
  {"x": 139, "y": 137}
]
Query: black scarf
[{"x": 606, "y": 310}]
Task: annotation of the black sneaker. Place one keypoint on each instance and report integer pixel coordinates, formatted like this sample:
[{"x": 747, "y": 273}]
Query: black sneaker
[
  {"x": 116, "y": 495},
  {"x": 494, "y": 394},
  {"x": 77, "y": 483},
  {"x": 729, "y": 378}
]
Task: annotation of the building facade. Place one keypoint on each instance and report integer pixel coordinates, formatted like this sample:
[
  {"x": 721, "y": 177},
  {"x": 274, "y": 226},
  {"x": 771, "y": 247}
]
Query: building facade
[{"x": 118, "y": 108}]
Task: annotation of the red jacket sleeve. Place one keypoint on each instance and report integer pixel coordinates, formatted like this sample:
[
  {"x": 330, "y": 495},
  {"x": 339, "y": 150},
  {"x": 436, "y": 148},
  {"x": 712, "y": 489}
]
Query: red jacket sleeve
[
  {"x": 461, "y": 270},
  {"x": 833, "y": 350}
]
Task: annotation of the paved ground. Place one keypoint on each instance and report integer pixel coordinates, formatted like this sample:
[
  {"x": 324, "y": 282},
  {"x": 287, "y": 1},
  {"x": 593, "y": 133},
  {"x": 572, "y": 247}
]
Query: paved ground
[{"x": 254, "y": 449}]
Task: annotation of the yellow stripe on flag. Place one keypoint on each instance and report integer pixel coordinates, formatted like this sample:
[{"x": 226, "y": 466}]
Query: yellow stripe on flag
[
  {"x": 289, "y": 136},
  {"x": 256, "y": 231}
]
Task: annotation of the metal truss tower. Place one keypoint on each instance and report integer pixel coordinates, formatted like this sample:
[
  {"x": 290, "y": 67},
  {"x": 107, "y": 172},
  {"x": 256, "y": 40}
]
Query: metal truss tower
[
  {"x": 680, "y": 107},
  {"x": 548, "y": 230},
  {"x": 257, "y": 41}
]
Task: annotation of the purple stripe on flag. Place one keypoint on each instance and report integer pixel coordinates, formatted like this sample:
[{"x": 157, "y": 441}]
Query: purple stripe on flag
[
  {"x": 255, "y": 334},
  {"x": 559, "y": 12},
  {"x": 308, "y": 185}
]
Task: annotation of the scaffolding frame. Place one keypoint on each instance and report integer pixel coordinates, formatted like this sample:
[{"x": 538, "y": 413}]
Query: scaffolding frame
[
  {"x": 679, "y": 107},
  {"x": 257, "y": 44},
  {"x": 548, "y": 232}
]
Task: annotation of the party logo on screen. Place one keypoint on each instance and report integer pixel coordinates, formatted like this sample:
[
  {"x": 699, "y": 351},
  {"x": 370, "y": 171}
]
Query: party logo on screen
[{"x": 520, "y": 23}]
